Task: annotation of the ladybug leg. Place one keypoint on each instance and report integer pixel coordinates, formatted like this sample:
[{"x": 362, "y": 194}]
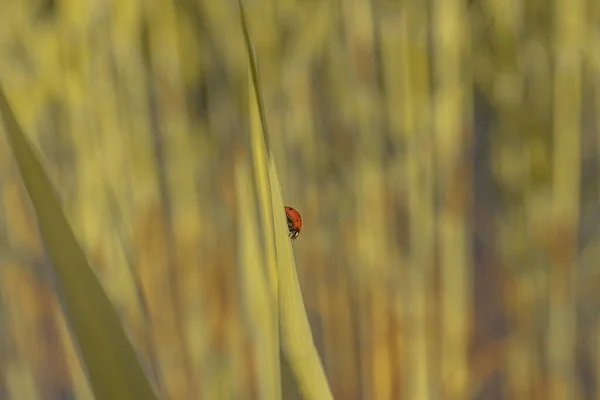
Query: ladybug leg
[
  {"x": 290, "y": 223},
  {"x": 293, "y": 232}
]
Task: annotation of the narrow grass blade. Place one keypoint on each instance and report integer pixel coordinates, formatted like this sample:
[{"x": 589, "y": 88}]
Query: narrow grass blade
[
  {"x": 295, "y": 333},
  {"x": 258, "y": 302},
  {"x": 263, "y": 193},
  {"x": 294, "y": 329},
  {"x": 112, "y": 364}
]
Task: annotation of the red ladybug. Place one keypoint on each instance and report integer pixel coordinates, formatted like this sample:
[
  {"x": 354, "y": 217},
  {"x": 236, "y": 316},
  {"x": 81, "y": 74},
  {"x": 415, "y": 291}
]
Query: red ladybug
[{"x": 294, "y": 221}]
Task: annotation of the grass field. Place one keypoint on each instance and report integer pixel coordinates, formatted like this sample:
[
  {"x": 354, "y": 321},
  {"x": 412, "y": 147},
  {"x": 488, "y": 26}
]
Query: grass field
[{"x": 443, "y": 154}]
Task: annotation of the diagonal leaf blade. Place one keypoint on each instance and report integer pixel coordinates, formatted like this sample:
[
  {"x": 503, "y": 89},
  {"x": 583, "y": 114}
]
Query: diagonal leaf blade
[{"x": 112, "y": 364}]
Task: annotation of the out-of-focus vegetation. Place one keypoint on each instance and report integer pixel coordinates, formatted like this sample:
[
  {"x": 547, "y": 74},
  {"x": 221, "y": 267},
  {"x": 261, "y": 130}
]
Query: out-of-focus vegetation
[
  {"x": 112, "y": 363},
  {"x": 443, "y": 156}
]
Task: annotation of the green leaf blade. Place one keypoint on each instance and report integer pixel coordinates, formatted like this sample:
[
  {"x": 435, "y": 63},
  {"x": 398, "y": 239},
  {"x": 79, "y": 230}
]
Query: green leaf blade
[{"x": 112, "y": 364}]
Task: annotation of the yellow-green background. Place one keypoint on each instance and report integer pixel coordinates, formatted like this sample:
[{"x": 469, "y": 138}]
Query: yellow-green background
[{"x": 443, "y": 155}]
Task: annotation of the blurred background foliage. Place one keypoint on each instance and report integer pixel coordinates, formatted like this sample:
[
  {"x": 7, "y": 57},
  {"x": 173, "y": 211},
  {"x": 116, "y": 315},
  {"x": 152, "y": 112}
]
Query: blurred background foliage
[{"x": 443, "y": 155}]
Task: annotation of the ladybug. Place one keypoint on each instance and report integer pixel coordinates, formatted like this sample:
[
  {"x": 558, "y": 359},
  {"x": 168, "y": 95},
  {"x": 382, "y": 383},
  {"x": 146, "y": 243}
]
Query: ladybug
[{"x": 294, "y": 221}]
